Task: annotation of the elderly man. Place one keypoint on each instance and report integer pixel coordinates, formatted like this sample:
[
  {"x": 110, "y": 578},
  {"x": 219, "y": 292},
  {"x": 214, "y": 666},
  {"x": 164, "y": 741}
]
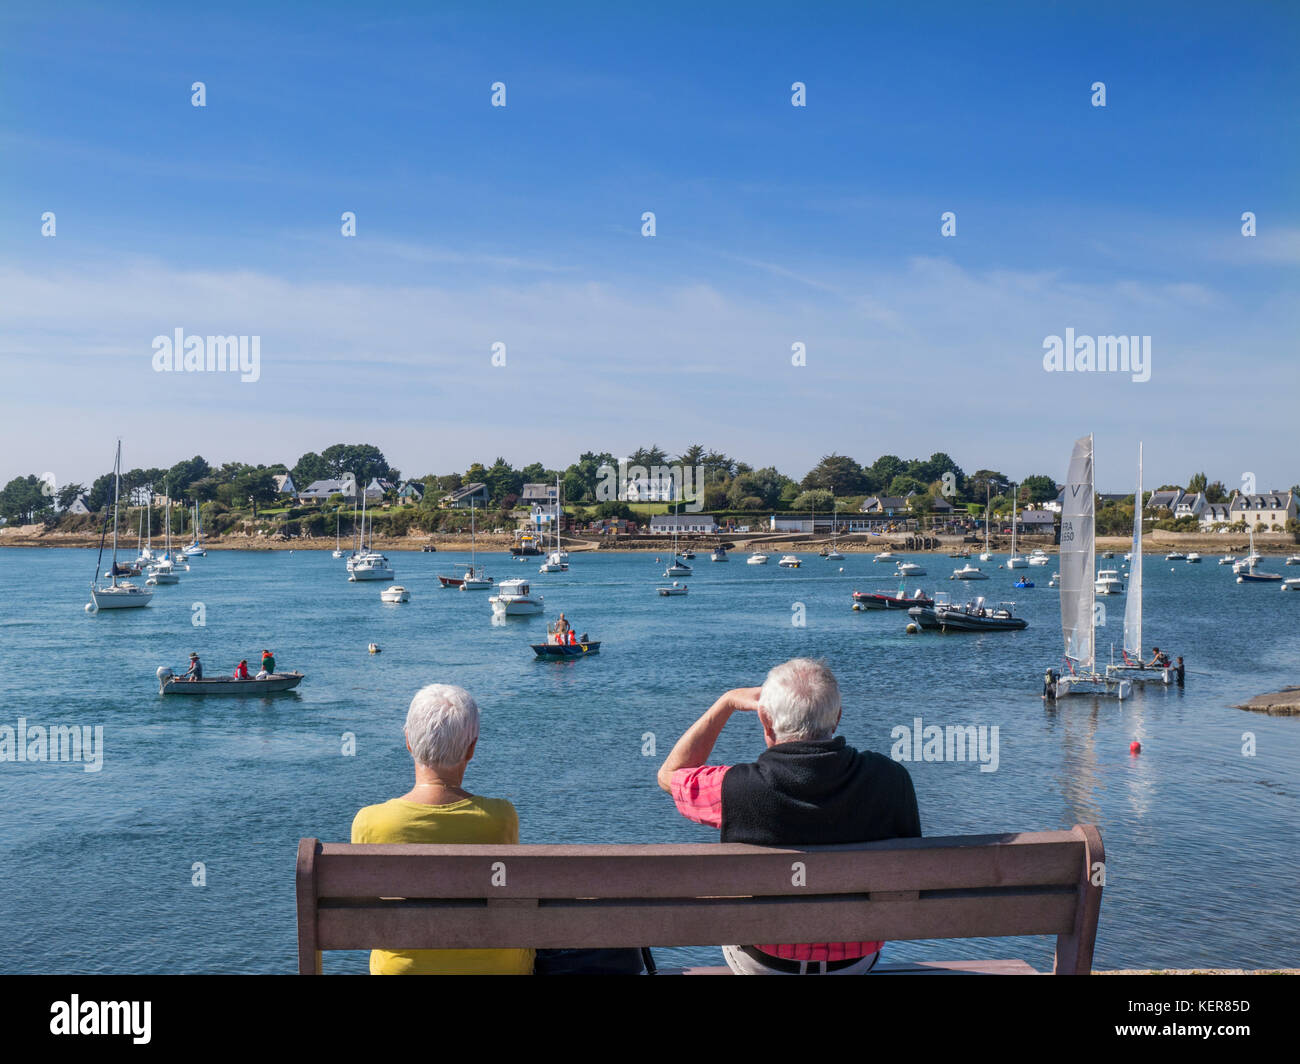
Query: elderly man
[
  {"x": 807, "y": 788},
  {"x": 441, "y": 734}
]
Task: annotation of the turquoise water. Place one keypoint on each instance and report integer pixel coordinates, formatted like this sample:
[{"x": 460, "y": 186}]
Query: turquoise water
[{"x": 96, "y": 867}]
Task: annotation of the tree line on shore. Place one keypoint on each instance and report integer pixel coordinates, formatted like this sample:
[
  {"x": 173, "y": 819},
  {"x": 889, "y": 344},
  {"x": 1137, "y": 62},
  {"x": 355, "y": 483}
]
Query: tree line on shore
[{"x": 836, "y": 482}]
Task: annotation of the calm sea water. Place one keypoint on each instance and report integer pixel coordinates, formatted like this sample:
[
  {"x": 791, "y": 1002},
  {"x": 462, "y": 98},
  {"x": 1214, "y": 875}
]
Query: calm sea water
[{"x": 96, "y": 868}]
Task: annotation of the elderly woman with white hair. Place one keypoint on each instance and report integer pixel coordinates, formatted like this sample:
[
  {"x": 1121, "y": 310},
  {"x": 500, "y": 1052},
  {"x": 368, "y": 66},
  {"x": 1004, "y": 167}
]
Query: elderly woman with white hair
[
  {"x": 441, "y": 734},
  {"x": 808, "y": 788}
]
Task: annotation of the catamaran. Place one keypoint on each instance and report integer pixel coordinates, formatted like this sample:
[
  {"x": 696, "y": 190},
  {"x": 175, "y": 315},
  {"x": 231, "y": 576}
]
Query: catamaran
[
  {"x": 1132, "y": 668},
  {"x": 116, "y": 595},
  {"x": 1078, "y": 592}
]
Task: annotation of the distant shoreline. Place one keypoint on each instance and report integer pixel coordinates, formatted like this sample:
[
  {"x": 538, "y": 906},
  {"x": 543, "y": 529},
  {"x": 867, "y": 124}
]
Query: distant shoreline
[{"x": 1154, "y": 544}]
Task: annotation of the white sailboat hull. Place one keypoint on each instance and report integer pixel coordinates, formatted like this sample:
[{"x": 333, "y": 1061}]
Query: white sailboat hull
[{"x": 121, "y": 597}]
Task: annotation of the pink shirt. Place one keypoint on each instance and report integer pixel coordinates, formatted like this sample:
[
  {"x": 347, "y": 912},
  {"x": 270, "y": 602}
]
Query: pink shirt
[{"x": 697, "y": 793}]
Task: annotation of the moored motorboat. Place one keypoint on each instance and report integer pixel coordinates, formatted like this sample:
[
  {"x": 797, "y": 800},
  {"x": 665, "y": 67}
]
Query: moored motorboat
[
  {"x": 719, "y": 554},
  {"x": 1108, "y": 582},
  {"x": 924, "y": 613},
  {"x": 514, "y": 598},
  {"x": 789, "y": 561},
  {"x": 1291, "y": 584},
  {"x": 884, "y": 556},
  {"x": 977, "y": 617},
  {"x": 675, "y": 589},
  {"x": 758, "y": 558},
  {"x": 910, "y": 569},
  {"x": 968, "y": 572},
  {"x": 888, "y": 600},
  {"x": 1176, "y": 556},
  {"x": 1193, "y": 557},
  {"x": 396, "y": 593}
]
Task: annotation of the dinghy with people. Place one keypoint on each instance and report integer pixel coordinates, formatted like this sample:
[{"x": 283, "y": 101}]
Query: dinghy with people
[{"x": 171, "y": 684}]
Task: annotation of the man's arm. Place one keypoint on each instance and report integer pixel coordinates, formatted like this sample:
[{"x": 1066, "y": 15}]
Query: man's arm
[{"x": 695, "y": 746}]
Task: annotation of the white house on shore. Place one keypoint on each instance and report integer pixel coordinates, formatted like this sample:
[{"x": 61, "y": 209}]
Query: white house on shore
[
  {"x": 664, "y": 524},
  {"x": 321, "y": 490},
  {"x": 1215, "y": 515}
]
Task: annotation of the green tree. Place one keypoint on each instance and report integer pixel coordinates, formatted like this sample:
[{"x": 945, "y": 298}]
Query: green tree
[
  {"x": 836, "y": 473},
  {"x": 1038, "y": 488},
  {"x": 903, "y": 484},
  {"x": 308, "y": 469},
  {"x": 1197, "y": 484},
  {"x": 68, "y": 494},
  {"x": 814, "y": 499},
  {"x": 185, "y": 474},
  {"x": 364, "y": 461},
  {"x": 986, "y": 481}
]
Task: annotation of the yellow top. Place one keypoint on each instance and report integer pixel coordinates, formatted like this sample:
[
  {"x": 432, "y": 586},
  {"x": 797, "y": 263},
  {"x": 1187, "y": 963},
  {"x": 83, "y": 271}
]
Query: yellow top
[{"x": 473, "y": 820}]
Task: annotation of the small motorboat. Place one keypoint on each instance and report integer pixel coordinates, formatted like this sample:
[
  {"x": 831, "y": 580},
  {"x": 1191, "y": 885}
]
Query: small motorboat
[
  {"x": 1055, "y": 581},
  {"x": 910, "y": 569},
  {"x": 396, "y": 593},
  {"x": 976, "y": 617},
  {"x": 688, "y": 555},
  {"x": 1193, "y": 557},
  {"x": 719, "y": 555},
  {"x": 884, "y": 556},
  {"x": 888, "y": 600},
  {"x": 429, "y": 548},
  {"x": 832, "y": 555},
  {"x": 962, "y": 554},
  {"x": 758, "y": 558},
  {"x": 171, "y": 684},
  {"x": 561, "y": 652},
  {"x": 968, "y": 572},
  {"x": 1292, "y": 559},
  {"x": 1041, "y": 557},
  {"x": 1228, "y": 559},
  {"x": 924, "y": 614},
  {"x": 675, "y": 589},
  {"x": 1108, "y": 582},
  {"x": 1291, "y": 584},
  {"x": 1104, "y": 554},
  {"x": 1175, "y": 556},
  {"x": 789, "y": 561},
  {"x": 514, "y": 598},
  {"x": 450, "y": 581}
]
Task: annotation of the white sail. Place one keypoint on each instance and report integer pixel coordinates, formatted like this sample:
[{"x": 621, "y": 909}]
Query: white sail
[
  {"x": 1133, "y": 600},
  {"x": 1077, "y": 557}
]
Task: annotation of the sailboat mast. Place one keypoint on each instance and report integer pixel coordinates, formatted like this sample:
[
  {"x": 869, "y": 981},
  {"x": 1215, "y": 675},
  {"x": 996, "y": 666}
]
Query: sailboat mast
[
  {"x": 988, "y": 502},
  {"x": 117, "y": 491}
]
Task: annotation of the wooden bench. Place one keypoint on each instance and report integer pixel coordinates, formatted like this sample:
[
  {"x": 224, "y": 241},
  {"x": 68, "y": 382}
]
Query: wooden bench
[{"x": 358, "y": 897}]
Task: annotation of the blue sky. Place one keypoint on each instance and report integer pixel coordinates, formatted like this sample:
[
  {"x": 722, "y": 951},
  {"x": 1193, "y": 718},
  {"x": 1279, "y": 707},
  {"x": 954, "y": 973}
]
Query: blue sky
[{"x": 775, "y": 225}]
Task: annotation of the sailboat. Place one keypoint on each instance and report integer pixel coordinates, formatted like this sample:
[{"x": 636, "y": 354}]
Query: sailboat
[
  {"x": 1245, "y": 569},
  {"x": 195, "y": 549},
  {"x": 163, "y": 570},
  {"x": 338, "y": 528},
  {"x": 832, "y": 554},
  {"x": 116, "y": 595},
  {"x": 678, "y": 567},
  {"x": 475, "y": 579},
  {"x": 1015, "y": 561},
  {"x": 1078, "y": 593},
  {"x": 368, "y": 563},
  {"x": 988, "y": 517},
  {"x": 1132, "y": 667},
  {"x": 558, "y": 560}
]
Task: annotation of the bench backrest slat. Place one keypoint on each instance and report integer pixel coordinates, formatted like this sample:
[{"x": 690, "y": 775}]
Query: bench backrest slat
[{"x": 456, "y": 897}]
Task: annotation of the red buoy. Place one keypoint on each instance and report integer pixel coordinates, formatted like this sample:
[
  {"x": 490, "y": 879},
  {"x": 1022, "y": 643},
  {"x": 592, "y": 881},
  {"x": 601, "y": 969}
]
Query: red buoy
[{"x": 1135, "y": 747}]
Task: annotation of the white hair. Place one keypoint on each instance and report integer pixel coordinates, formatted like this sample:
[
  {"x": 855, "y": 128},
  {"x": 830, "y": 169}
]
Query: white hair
[
  {"x": 801, "y": 700},
  {"x": 441, "y": 725}
]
